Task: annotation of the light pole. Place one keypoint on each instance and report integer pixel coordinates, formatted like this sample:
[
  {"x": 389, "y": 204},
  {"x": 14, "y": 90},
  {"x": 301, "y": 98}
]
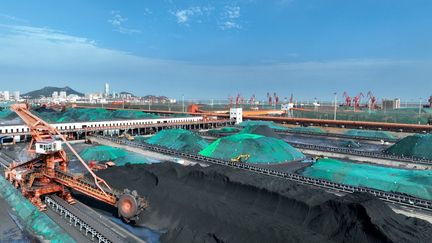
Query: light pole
[
  {"x": 420, "y": 101},
  {"x": 335, "y": 105},
  {"x": 183, "y": 110}
]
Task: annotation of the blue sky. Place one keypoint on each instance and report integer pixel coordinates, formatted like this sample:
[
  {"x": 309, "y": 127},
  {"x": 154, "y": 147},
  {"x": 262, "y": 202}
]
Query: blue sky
[{"x": 311, "y": 48}]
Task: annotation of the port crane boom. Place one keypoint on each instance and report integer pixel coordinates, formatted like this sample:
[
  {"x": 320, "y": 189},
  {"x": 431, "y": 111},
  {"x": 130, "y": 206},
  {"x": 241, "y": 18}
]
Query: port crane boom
[{"x": 48, "y": 172}]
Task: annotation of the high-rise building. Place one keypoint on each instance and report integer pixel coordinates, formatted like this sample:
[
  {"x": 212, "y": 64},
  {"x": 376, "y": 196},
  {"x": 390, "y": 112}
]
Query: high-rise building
[
  {"x": 17, "y": 95},
  {"x": 6, "y": 95},
  {"x": 55, "y": 95},
  {"x": 63, "y": 94},
  {"x": 106, "y": 89}
]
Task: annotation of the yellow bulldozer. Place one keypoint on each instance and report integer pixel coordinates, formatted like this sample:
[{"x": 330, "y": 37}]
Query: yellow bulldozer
[{"x": 241, "y": 158}]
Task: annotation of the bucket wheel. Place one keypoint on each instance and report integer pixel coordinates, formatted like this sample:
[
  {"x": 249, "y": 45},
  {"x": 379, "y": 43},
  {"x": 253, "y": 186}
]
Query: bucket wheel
[{"x": 130, "y": 205}]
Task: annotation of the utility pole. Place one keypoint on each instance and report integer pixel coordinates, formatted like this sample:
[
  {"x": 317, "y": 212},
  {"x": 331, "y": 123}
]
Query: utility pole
[
  {"x": 335, "y": 105},
  {"x": 420, "y": 101},
  {"x": 183, "y": 110}
]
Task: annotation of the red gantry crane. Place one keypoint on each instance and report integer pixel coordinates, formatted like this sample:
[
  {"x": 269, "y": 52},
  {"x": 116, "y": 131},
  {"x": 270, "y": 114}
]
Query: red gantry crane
[
  {"x": 372, "y": 100},
  {"x": 347, "y": 99},
  {"x": 357, "y": 100},
  {"x": 48, "y": 172}
]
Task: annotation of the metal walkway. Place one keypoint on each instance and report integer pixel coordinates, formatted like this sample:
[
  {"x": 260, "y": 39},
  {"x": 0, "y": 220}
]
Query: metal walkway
[{"x": 94, "y": 226}]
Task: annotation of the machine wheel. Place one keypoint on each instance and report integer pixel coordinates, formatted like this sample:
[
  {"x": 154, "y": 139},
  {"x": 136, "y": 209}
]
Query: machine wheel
[{"x": 128, "y": 205}]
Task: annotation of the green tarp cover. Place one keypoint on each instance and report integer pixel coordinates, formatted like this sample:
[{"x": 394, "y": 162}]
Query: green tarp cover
[
  {"x": 260, "y": 148},
  {"x": 119, "y": 156},
  {"x": 270, "y": 124},
  {"x": 370, "y": 134},
  {"x": 417, "y": 183},
  {"x": 179, "y": 139},
  {"x": 35, "y": 221},
  {"x": 418, "y": 145}
]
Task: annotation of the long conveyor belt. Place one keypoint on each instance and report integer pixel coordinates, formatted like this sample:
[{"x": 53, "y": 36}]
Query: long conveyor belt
[{"x": 390, "y": 197}]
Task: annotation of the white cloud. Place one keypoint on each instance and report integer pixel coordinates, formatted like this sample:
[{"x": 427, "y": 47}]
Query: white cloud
[
  {"x": 229, "y": 18},
  {"x": 232, "y": 12},
  {"x": 229, "y": 25},
  {"x": 12, "y": 18},
  {"x": 185, "y": 15},
  {"x": 147, "y": 12},
  {"x": 32, "y": 57},
  {"x": 117, "y": 21}
]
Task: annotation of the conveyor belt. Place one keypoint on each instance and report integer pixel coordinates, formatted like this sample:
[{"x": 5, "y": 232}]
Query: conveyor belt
[
  {"x": 98, "y": 229},
  {"x": 377, "y": 155},
  {"x": 390, "y": 197}
]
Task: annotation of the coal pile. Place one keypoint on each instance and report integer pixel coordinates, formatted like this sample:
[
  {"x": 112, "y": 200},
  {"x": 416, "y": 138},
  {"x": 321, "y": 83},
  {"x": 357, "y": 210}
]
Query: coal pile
[
  {"x": 258, "y": 148},
  {"x": 221, "y": 204},
  {"x": 178, "y": 139},
  {"x": 261, "y": 130},
  {"x": 418, "y": 145}
]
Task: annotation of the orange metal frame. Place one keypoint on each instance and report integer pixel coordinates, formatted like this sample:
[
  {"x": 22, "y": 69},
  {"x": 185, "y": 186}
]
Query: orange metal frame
[{"x": 50, "y": 171}]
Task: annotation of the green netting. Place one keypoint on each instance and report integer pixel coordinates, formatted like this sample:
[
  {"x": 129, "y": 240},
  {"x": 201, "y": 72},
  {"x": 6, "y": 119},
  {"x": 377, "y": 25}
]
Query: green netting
[
  {"x": 370, "y": 134},
  {"x": 260, "y": 148},
  {"x": 5, "y": 111},
  {"x": 179, "y": 139},
  {"x": 263, "y": 130},
  {"x": 128, "y": 114},
  {"x": 224, "y": 130},
  {"x": 180, "y": 115},
  {"x": 418, "y": 145},
  {"x": 102, "y": 153},
  {"x": 119, "y": 156},
  {"x": 92, "y": 114},
  {"x": 140, "y": 139},
  {"x": 35, "y": 221},
  {"x": 308, "y": 129},
  {"x": 270, "y": 124},
  {"x": 403, "y": 115},
  {"x": 417, "y": 183}
]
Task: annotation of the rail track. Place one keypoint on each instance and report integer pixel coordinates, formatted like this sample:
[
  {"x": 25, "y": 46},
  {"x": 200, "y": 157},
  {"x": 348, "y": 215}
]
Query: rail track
[
  {"x": 349, "y": 151},
  {"x": 95, "y": 227},
  {"x": 337, "y": 135},
  {"x": 389, "y": 197},
  {"x": 333, "y": 135},
  {"x": 376, "y": 155}
]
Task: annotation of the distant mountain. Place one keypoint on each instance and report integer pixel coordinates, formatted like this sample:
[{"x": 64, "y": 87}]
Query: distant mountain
[
  {"x": 159, "y": 99},
  {"x": 48, "y": 91},
  {"x": 127, "y": 93}
]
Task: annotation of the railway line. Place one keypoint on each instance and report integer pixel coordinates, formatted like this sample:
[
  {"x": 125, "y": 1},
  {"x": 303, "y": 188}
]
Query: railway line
[
  {"x": 389, "y": 197},
  {"x": 94, "y": 226},
  {"x": 333, "y": 135},
  {"x": 369, "y": 154},
  {"x": 337, "y": 135}
]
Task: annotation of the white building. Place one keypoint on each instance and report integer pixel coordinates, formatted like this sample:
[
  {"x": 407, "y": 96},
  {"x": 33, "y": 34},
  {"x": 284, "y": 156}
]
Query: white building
[
  {"x": 63, "y": 94},
  {"x": 106, "y": 89},
  {"x": 6, "y": 95},
  {"x": 236, "y": 114},
  {"x": 55, "y": 95},
  {"x": 17, "y": 96}
]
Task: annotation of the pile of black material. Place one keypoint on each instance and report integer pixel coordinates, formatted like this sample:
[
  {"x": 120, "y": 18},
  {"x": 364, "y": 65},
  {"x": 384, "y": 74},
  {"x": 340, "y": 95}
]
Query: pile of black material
[
  {"x": 263, "y": 130},
  {"x": 221, "y": 204}
]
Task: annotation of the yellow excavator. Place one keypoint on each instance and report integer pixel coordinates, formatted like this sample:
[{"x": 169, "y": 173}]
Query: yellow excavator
[
  {"x": 241, "y": 158},
  {"x": 127, "y": 136}
]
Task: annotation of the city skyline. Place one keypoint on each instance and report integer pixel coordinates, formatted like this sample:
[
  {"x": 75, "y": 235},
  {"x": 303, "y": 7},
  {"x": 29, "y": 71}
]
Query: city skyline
[{"x": 308, "y": 48}]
